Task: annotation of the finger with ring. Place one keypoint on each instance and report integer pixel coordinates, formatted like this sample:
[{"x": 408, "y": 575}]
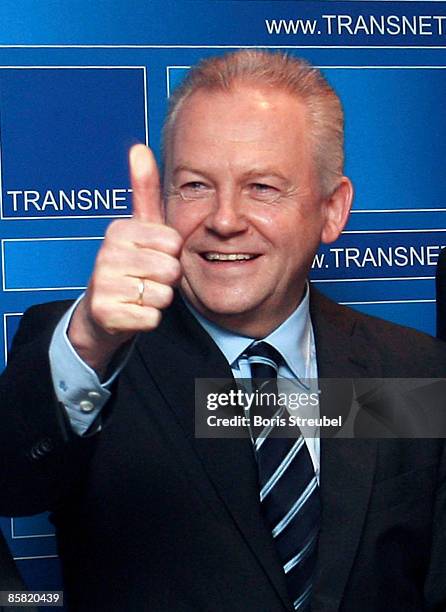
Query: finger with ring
[{"x": 141, "y": 288}]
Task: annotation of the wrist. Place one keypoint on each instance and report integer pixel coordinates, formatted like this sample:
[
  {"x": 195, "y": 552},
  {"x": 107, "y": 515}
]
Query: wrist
[{"x": 94, "y": 345}]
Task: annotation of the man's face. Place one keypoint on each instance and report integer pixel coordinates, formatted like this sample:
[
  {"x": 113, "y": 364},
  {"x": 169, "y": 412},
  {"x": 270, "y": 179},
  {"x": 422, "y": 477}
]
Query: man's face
[{"x": 242, "y": 190}]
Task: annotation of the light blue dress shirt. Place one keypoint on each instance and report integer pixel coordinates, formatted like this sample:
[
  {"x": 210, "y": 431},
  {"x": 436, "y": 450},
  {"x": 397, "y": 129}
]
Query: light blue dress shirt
[
  {"x": 79, "y": 389},
  {"x": 293, "y": 339}
]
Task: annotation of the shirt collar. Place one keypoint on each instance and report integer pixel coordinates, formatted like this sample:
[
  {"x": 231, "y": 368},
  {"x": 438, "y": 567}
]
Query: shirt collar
[{"x": 291, "y": 338}]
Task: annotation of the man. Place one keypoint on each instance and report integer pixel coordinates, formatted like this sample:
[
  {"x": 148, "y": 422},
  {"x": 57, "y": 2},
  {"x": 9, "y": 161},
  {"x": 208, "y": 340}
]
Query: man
[{"x": 150, "y": 517}]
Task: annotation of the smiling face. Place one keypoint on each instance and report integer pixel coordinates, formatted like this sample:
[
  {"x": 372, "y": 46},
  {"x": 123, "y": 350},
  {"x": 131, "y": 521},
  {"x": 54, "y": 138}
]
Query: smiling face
[{"x": 242, "y": 190}]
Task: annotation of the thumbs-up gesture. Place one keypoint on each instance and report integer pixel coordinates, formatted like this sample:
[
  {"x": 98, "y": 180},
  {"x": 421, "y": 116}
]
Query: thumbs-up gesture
[{"x": 134, "y": 273}]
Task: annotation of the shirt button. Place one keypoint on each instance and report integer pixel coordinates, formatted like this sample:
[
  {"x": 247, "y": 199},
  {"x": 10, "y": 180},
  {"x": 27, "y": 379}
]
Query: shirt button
[
  {"x": 94, "y": 395},
  {"x": 86, "y": 406}
]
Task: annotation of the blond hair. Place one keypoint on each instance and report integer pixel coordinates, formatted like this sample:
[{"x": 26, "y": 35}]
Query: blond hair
[{"x": 277, "y": 71}]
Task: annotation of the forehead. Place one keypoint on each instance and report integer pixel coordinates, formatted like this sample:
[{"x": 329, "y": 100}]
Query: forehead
[{"x": 246, "y": 121}]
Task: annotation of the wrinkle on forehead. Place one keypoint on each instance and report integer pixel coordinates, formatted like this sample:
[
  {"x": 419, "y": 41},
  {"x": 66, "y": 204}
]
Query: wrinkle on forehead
[
  {"x": 240, "y": 130},
  {"x": 249, "y": 107}
]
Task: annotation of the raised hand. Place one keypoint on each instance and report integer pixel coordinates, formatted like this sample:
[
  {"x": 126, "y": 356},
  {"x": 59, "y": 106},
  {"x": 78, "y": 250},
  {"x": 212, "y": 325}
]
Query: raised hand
[{"x": 134, "y": 274}]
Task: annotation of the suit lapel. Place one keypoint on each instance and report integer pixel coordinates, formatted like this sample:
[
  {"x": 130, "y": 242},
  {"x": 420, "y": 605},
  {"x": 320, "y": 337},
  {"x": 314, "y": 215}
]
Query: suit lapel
[
  {"x": 175, "y": 355},
  {"x": 347, "y": 465}
]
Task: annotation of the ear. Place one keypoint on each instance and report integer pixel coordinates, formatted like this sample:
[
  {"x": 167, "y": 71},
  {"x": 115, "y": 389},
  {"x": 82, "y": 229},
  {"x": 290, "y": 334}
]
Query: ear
[{"x": 337, "y": 209}]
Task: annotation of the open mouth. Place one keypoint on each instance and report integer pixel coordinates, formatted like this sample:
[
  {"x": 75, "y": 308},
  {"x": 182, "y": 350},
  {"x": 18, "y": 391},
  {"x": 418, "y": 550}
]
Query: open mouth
[{"x": 216, "y": 257}]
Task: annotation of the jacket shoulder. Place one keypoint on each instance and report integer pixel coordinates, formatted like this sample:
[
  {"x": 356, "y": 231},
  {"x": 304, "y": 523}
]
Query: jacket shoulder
[
  {"x": 40, "y": 320},
  {"x": 413, "y": 350}
]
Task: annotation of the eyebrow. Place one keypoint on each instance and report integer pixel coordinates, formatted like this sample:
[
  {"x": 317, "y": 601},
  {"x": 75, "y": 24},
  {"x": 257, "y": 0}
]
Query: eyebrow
[
  {"x": 186, "y": 168},
  {"x": 249, "y": 174},
  {"x": 266, "y": 172}
]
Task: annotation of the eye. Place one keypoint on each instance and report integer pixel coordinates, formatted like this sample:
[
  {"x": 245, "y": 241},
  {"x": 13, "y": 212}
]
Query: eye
[
  {"x": 261, "y": 187},
  {"x": 194, "y": 190},
  {"x": 264, "y": 192}
]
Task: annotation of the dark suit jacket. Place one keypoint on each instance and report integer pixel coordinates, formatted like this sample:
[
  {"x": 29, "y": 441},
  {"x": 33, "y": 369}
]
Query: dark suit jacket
[
  {"x": 9, "y": 576},
  {"x": 440, "y": 283},
  {"x": 150, "y": 518}
]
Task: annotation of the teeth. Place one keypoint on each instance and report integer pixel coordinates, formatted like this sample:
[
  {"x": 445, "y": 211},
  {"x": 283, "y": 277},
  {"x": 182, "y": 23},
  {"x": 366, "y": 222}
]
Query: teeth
[{"x": 227, "y": 256}]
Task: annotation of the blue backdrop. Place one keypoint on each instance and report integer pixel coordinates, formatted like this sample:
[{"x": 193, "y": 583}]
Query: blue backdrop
[{"x": 80, "y": 82}]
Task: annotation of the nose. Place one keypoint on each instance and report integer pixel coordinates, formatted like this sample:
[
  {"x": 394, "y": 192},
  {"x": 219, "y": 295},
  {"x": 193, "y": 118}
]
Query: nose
[{"x": 226, "y": 217}]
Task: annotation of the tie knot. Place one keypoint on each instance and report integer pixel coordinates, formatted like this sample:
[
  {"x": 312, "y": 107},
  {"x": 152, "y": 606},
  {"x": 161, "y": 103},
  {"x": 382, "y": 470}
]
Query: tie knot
[
  {"x": 263, "y": 350},
  {"x": 263, "y": 359}
]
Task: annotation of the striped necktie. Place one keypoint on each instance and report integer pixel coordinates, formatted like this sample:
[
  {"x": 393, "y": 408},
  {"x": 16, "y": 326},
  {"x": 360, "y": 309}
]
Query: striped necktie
[{"x": 289, "y": 492}]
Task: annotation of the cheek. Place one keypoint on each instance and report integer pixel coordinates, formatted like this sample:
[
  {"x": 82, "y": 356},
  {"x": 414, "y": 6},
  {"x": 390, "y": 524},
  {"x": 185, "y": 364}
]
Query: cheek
[
  {"x": 269, "y": 221},
  {"x": 184, "y": 217},
  {"x": 294, "y": 237},
  {"x": 173, "y": 213},
  {"x": 278, "y": 226}
]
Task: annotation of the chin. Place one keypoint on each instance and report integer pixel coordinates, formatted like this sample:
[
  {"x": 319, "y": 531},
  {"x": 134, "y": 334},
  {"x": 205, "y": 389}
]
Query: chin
[
  {"x": 226, "y": 307},
  {"x": 220, "y": 303}
]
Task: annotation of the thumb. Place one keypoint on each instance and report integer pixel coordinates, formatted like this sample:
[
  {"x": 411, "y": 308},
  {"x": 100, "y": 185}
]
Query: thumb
[{"x": 144, "y": 178}]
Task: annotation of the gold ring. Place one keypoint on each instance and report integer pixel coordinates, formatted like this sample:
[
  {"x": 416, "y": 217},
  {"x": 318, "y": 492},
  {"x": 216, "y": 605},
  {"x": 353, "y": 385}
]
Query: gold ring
[{"x": 141, "y": 287}]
